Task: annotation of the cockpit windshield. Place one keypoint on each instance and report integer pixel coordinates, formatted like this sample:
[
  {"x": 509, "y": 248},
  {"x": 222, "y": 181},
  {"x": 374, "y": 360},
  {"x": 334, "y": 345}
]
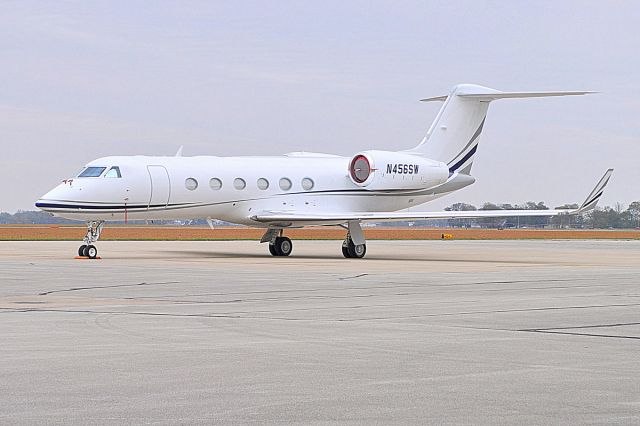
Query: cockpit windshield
[
  {"x": 113, "y": 172},
  {"x": 92, "y": 172}
]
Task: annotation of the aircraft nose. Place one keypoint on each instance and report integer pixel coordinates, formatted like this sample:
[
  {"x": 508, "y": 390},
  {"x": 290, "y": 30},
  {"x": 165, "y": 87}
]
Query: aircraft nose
[
  {"x": 44, "y": 202},
  {"x": 53, "y": 197}
]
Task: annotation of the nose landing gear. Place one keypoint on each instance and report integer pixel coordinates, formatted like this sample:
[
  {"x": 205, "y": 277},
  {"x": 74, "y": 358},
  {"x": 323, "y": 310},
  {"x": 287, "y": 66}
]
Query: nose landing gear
[{"x": 94, "y": 228}]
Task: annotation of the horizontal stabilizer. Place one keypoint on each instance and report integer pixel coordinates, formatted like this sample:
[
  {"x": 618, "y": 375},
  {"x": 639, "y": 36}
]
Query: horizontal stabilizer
[
  {"x": 512, "y": 95},
  {"x": 486, "y": 94},
  {"x": 435, "y": 99}
]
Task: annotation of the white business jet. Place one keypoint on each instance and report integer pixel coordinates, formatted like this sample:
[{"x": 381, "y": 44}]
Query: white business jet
[{"x": 296, "y": 189}]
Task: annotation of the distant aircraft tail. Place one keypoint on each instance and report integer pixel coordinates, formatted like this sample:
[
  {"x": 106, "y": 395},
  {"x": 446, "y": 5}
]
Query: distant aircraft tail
[{"x": 454, "y": 134}]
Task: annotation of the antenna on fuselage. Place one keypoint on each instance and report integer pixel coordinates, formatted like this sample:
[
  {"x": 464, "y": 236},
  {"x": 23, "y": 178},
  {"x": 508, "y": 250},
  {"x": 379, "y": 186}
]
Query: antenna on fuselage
[{"x": 179, "y": 153}]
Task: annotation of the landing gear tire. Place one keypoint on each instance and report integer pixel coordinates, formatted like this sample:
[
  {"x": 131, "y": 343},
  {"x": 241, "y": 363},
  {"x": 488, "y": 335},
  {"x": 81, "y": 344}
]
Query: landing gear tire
[
  {"x": 353, "y": 251},
  {"x": 94, "y": 228},
  {"x": 272, "y": 250},
  {"x": 91, "y": 251},
  {"x": 282, "y": 246},
  {"x": 357, "y": 251}
]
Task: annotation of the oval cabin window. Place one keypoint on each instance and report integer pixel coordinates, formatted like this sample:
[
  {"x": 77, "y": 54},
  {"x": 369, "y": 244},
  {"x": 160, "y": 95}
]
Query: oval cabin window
[
  {"x": 285, "y": 184},
  {"x": 263, "y": 184},
  {"x": 215, "y": 184},
  {"x": 307, "y": 184},
  {"x": 239, "y": 183},
  {"x": 190, "y": 184}
]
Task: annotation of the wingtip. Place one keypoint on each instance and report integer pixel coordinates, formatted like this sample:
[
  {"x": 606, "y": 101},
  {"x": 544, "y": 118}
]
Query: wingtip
[{"x": 592, "y": 199}]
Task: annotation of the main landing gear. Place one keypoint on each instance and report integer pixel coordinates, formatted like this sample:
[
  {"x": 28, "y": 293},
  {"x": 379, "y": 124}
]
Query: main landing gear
[
  {"x": 354, "y": 245},
  {"x": 279, "y": 245},
  {"x": 282, "y": 246},
  {"x": 351, "y": 250},
  {"x": 94, "y": 228}
]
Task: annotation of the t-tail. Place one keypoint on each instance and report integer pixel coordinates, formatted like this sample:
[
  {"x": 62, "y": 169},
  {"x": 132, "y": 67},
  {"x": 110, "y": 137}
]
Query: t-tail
[{"x": 455, "y": 133}]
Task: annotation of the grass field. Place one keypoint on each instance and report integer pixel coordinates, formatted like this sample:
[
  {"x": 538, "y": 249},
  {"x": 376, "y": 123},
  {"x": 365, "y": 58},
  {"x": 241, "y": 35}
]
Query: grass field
[{"x": 150, "y": 232}]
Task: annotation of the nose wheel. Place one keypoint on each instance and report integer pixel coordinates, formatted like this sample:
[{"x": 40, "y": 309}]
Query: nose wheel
[{"x": 88, "y": 250}]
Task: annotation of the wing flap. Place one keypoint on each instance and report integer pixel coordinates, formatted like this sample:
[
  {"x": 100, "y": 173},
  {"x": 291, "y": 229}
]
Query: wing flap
[
  {"x": 288, "y": 218},
  {"x": 275, "y": 216}
]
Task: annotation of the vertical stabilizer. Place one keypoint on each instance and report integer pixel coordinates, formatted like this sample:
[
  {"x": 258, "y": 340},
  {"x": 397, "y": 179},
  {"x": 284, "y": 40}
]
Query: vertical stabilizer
[{"x": 454, "y": 135}]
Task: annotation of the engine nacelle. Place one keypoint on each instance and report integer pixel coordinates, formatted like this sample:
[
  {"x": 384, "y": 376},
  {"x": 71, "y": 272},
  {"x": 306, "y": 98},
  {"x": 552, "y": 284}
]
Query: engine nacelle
[{"x": 381, "y": 170}]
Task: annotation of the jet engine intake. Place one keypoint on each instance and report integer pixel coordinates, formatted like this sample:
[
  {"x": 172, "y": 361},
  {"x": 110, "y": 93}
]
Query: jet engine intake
[{"x": 387, "y": 170}]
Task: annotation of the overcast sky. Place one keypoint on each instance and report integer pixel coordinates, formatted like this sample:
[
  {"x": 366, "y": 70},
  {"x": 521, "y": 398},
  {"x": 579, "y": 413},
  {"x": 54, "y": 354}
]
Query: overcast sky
[{"x": 81, "y": 80}]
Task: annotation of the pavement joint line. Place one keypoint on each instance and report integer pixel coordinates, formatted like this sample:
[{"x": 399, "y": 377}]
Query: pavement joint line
[
  {"x": 247, "y": 314},
  {"x": 568, "y": 333},
  {"x": 374, "y": 288},
  {"x": 171, "y": 299},
  {"x": 89, "y": 311},
  {"x": 402, "y": 285}
]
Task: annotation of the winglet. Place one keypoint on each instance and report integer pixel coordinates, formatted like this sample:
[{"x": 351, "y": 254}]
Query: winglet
[{"x": 593, "y": 198}]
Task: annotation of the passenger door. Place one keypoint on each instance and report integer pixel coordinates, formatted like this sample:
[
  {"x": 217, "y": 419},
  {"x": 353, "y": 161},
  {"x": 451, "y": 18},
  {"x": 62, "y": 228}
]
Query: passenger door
[{"x": 160, "y": 186}]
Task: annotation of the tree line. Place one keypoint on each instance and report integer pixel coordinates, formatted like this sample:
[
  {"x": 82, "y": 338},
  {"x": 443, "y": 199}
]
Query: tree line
[{"x": 604, "y": 218}]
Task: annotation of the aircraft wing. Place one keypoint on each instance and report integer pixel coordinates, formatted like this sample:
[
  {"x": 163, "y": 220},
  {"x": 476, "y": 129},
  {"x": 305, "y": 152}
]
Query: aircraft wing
[{"x": 286, "y": 218}]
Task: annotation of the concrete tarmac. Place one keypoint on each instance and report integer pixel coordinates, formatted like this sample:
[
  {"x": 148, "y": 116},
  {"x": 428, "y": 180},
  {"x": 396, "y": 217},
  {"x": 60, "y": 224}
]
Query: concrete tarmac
[{"x": 419, "y": 332}]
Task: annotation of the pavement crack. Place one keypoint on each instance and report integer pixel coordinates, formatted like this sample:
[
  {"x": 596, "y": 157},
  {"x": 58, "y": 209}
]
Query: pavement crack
[
  {"x": 570, "y": 333},
  {"x": 105, "y": 286},
  {"x": 621, "y": 324},
  {"x": 350, "y": 278}
]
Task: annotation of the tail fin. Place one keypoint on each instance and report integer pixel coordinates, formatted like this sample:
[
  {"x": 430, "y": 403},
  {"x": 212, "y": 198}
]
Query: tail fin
[{"x": 454, "y": 134}]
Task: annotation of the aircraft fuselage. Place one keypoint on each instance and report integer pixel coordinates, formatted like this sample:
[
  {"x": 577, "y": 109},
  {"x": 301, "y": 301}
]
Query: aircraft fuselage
[{"x": 226, "y": 188}]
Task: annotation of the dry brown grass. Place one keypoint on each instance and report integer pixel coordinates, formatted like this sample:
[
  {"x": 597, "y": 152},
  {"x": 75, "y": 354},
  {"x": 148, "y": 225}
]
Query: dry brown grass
[{"x": 115, "y": 232}]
